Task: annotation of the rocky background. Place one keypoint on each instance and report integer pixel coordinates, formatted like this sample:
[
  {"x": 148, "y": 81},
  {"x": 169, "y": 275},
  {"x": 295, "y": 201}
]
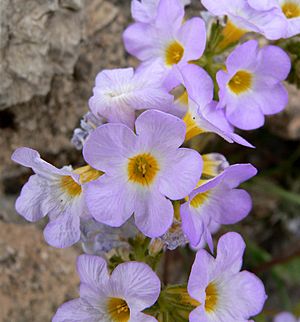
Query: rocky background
[{"x": 50, "y": 53}]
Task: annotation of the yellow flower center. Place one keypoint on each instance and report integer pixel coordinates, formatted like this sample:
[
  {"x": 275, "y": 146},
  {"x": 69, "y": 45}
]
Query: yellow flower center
[
  {"x": 118, "y": 310},
  {"x": 211, "y": 299},
  {"x": 291, "y": 9},
  {"x": 174, "y": 53},
  {"x": 241, "y": 82},
  {"x": 199, "y": 199},
  {"x": 142, "y": 169},
  {"x": 192, "y": 128},
  {"x": 71, "y": 187}
]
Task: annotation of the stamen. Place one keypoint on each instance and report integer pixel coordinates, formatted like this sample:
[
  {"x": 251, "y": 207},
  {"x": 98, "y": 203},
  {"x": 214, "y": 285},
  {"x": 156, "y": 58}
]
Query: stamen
[
  {"x": 241, "y": 82},
  {"x": 118, "y": 310},
  {"x": 174, "y": 53},
  {"x": 142, "y": 169}
]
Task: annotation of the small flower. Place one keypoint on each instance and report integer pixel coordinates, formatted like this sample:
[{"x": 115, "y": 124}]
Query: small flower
[
  {"x": 251, "y": 85},
  {"x": 146, "y": 10},
  {"x": 119, "y": 297},
  {"x": 168, "y": 40},
  {"x": 141, "y": 170},
  {"x": 224, "y": 293},
  {"x": 87, "y": 124},
  {"x": 99, "y": 239},
  {"x": 120, "y": 92},
  {"x": 54, "y": 192},
  {"x": 289, "y": 10},
  {"x": 286, "y": 317},
  {"x": 202, "y": 114},
  {"x": 217, "y": 201},
  {"x": 245, "y": 18}
]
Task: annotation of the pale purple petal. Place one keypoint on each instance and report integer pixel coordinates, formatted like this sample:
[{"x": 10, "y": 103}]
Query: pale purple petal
[
  {"x": 137, "y": 283},
  {"x": 236, "y": 174},
  {"x": 192, "y": 35},
  {"x": 192, "y": 224},
  {"x": 76, "y": 310},
  {"x": 170, "y": 14},
  {"x": 246, "y": 293},
  {"x": 182, "y": 173},
  {"x": 108, "y": 146},
  {"x": 138, "y": 317},
  {"x": 118, "y": 76},
  {"x": 32, "y": 159},
  {"x": 138, "y": 41},
  {"x": 159, "y": 130},
  {"x": 153, "y": 214},
  {"x": 217, "y": 8},
  {"x": 230, "y": 251},
  {"x": 109, "y": 200},
  {"x": 243, "y": 57},
  {"x": 233, "y": 206},
  {"x": 64, "y": 231},
  {"x": 245, "y": 113},
  {"x": 35, "y": 200},
  {"x": 202, "y": 269},
  {"x": 263, "y": 4},
  {"x": 285, "y": 317},
  {"x": 197, "y": 82},
  {"x": 273, "y": 100},
  {"x": 293, "y": 27},
  {"x": 269, "y": 58},
  {"x": 144, "y": 11},
  {"x": 198, "y": 315},
  {"x": 92, "y": 271}
]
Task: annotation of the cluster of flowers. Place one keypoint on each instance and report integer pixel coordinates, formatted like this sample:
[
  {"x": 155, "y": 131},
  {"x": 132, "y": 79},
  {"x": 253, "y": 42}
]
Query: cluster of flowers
[{"x": 132, "y": 141}]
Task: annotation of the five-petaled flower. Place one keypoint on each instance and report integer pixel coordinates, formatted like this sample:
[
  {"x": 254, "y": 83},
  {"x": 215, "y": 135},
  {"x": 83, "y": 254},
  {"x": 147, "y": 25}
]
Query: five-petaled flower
[
  {"x": 168, "y": 41},
  {"x": 216, "y": 201},
  {"x": 223, "y": 292},
  {"x": 118, "y": 93},
  {"x": 120, "y": 297},
  {"x": 251, "y": 86},
  {"x": 141, "y": 170},
  {"x": 55, "y": 192}
]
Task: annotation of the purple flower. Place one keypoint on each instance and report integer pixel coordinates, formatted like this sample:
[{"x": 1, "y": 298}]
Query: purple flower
[
  {"x": 251, "y": 86},
  {"x": 146, "y": 10},
  {"x": 87, "y": 124},
  {"x": 289, "y": 10},
  {"x": 218, "y": 201},
  {"x": 168, "y": 40},
  {"x": 120, "y": 92},
  {"x": 225, "y": 293},
  {"x": 202, "y": 114},
  {"x": 243, "y": 17},
  {"x": 121, "y": 296},
  {"x": 141, "y": 170},
  {"x": 286, "y": 317},
  {"x": 54, "y": 192}
]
